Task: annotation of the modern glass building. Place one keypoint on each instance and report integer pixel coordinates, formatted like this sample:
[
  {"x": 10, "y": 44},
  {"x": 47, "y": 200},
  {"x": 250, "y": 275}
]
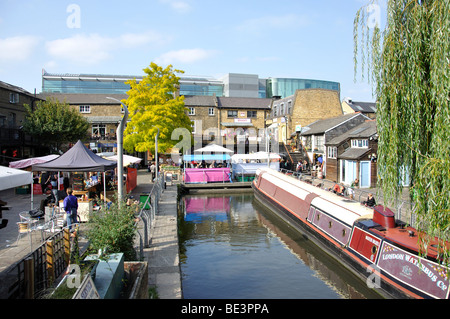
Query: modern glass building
[
  {"x": 285, "y": 87},
  {"x": 115, "y": 84},
  {"x": 230, "y": 85}
]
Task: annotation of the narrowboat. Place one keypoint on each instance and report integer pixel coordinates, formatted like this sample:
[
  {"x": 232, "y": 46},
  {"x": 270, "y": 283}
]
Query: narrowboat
[{"x": 368, "y": 241}]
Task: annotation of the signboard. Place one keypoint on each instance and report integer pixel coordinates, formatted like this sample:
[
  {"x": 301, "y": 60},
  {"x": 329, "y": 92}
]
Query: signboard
[
  {"x": 241, "y": 120},
  {"x": 87, "y": 290},
  {"x": 427, "y": 276}
]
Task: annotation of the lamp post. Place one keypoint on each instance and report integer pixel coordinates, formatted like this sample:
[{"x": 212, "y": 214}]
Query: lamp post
[
  {"x": 156, "y": 156},
  {"x": 119, "y": 133}
]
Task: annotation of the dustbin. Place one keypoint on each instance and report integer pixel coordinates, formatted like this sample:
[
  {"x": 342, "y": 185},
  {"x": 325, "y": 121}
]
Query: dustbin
[{"x": 143, "y": 199}]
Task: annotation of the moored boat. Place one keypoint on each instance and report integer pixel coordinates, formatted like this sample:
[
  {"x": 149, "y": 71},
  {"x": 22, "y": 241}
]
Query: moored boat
[{"x": 369, "y": 241}]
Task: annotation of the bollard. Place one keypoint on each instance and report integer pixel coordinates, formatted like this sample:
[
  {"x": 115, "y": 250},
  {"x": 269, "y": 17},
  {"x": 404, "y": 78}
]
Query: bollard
[
  {"x": 50, "y": 262},
  {"x": 29, "y": 278}
]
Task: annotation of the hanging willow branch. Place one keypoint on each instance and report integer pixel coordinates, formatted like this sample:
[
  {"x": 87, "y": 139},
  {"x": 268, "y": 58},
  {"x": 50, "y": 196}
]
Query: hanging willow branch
[{"x": 410, "y": 71}]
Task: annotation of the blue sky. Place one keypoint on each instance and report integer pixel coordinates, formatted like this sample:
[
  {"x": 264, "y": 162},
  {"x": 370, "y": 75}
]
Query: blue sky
[{"x": 284, "y": 38}]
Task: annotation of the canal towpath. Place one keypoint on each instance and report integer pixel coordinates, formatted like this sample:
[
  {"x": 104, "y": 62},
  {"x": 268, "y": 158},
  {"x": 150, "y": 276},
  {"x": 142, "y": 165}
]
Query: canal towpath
[{"x": 161, "y": 255}]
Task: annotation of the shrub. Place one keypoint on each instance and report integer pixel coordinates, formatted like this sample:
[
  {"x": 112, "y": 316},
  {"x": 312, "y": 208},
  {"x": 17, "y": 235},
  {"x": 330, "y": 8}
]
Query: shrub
[{"x": 113, "y": 229}]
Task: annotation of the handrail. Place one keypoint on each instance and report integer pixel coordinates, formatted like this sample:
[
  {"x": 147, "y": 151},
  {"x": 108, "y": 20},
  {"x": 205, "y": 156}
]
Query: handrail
[
  {"x": 409, "y": 213},
  {"x": 147, "y": 216}
]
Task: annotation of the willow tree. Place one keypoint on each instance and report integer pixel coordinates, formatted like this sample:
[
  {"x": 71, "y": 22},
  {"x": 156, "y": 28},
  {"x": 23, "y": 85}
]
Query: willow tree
[
  {"x": 153, "y": 105},
  {"x": 408, "y": 63}
]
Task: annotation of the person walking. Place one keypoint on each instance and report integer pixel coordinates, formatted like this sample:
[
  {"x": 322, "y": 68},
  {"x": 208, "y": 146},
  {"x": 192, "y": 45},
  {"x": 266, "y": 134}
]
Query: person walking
[
  {"x": 71, "y": 207},
  {"x": 153, "y": 170}
]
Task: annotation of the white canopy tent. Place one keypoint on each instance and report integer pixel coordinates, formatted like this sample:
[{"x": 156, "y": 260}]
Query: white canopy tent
[
  {"x": 213, "y": 148},
  {"x": 12, "y": 177},
  {"x": 127, "y": 159},
  {"x": 262, "y": 156},
  {"x": 32, "y": 161}
]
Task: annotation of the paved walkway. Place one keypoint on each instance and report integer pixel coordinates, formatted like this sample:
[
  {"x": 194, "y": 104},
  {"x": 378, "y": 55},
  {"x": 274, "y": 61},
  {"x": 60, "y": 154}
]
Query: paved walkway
[{"x": 162, "y": 254}]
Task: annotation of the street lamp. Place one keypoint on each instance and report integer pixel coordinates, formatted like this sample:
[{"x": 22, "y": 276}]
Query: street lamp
[{"x": 119, "y": 133}]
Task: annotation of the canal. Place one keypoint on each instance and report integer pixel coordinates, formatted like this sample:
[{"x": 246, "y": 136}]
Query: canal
[{"x": 231, "y": 247}]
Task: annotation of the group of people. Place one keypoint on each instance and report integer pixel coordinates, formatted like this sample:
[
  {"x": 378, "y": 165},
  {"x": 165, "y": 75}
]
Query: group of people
[
  {"x": 340, "y": 190},
  {"x": 301, "y": 166}
]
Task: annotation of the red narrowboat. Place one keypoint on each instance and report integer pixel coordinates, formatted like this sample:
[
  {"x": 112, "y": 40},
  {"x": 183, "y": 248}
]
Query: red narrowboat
[{"x": 368, "y": 241}]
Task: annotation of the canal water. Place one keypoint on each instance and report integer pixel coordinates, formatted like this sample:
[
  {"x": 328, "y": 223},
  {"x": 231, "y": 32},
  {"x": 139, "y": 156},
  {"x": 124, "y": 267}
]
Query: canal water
[{"x": 232, "y": 247}]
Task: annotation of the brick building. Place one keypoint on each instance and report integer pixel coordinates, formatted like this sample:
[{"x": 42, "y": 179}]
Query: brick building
[
  {"x": 14, "y": 143},
  {"x": 290, "y": 114}
]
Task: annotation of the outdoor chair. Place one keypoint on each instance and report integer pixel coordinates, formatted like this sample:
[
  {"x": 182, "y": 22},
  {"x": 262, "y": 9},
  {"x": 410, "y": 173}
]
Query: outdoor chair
[{"x": 25, "y": 228}]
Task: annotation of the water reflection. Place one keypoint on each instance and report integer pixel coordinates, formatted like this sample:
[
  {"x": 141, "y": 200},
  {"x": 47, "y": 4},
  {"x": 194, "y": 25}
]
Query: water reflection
[{"x": 233, "y": 248}]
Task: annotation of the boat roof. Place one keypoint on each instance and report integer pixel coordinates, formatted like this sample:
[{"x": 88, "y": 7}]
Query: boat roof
[{"x": 339, "y": 207}]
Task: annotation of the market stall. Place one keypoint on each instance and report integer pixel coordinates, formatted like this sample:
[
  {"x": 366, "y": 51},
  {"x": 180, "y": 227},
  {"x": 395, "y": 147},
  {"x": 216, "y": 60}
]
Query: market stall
[
  {"x": 207, "y": 175},
  {"x": 244, "y": 166},
  {"x": 80, "y": 160}
]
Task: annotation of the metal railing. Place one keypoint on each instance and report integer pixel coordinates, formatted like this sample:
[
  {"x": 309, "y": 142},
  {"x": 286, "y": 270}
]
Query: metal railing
[
  {"x": 403, "y": 209},
  {"x": 147, "y": 215},
  {"x": 36, "y": 272}
]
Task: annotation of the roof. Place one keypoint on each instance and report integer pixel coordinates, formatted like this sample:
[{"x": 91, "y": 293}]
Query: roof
[
  {"x": 365, "y": 130},
  {"x": 77, "y": 98},
  {"x": 244, "y": 102},
  {"x": 354, "y": 153},
  {"x": 321, "y": 126},
  {"x": 364, "y": 107},
  {"x": 14, "y": 88},
  {"x": 191, "y": 100}
]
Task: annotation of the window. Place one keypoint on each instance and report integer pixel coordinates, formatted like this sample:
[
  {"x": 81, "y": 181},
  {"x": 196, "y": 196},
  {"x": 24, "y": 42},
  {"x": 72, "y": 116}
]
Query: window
[
  {"x": 191, "y": 111},
  {"x": 211, "y": 111},
  {"x": 251, "y": 114},
  {"x": 14, "y": 98},
  {"x": 332, "y": 152},
  {"x": 85, "y": 109},
  {"x": 318, "y": 143},
  {"x": 232, "y": 113},
  {"x": 275, "y": 110},
  {"x": 98, "y": 130},
  {"x": 289, "y": 107},
  {"x": 360, "y": 143}
]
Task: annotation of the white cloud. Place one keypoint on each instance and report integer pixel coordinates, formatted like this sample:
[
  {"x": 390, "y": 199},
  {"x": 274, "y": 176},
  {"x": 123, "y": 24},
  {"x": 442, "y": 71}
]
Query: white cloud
[
  {"x": 184, "y": 56},
  {"x": 94, "y": 48},
  {"x": 17, "y": 48},
  {"x": 89, "y": 49}
]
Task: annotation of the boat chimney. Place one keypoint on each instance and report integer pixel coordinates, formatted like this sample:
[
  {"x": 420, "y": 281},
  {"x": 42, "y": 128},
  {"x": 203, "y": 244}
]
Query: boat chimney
[{"x": 383, "y": 216}]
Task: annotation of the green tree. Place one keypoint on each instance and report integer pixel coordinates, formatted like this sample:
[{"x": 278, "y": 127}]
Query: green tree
[
  {"x": 54, "y": 123},
  {"x": 153, "y": 105},
  {"x": 410, "y": 68}
]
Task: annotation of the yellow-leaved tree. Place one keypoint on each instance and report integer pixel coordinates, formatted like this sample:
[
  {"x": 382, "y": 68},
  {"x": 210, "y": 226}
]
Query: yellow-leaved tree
[{"x": 153, "y": 104}]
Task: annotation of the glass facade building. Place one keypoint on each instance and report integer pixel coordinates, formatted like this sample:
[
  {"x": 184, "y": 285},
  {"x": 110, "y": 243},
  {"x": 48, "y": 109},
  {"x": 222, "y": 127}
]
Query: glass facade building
[
  {"x": 231, "y": 85},
  {"x": 115, "y": 84},
  {"x": 285, "y": 87}
]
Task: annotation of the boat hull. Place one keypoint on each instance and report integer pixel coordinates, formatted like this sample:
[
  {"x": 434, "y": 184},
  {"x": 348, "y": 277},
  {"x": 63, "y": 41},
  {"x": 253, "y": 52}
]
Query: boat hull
[{"x": 362, "y": 250}]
